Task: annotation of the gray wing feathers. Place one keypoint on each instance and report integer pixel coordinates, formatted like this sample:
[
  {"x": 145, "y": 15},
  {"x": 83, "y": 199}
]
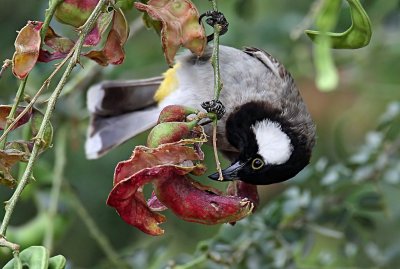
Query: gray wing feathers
[
  {"x": 119, "y": 110},
  {"x": 117, "y": 97},
  {"x": 106, "y": 133}
]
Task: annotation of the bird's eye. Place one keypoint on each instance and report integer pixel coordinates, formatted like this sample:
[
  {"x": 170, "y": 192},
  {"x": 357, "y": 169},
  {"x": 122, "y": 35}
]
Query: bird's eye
[{"x": 257, "y": 163}]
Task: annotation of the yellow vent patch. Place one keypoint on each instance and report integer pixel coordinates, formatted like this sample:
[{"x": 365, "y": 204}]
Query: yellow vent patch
[{"x": 168, "y": 85}]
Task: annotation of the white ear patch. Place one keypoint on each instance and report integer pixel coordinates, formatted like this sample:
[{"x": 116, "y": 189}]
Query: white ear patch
[{"x": 273, "y": 144}]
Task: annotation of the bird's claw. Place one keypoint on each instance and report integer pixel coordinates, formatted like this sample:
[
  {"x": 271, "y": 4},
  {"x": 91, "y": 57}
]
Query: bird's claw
[
  {"x": 214, "y": 106},
  {"x": 213, "y": 18}
]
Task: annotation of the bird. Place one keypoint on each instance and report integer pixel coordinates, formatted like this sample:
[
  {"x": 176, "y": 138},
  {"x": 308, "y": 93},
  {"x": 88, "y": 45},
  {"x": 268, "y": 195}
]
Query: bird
[{"x": 266, "y": 132}]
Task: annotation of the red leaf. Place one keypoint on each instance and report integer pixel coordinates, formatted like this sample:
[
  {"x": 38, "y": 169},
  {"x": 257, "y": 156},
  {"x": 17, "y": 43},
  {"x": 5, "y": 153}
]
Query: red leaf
[
  {"x": 5, "y": 111},
  {"x": 95, "y": 35},
  {"x": 180, "y": 25},
  {"x": 27, "y": 45},
  {"x": 60, "y": 47},
  {"x": 194, "y": 202},
  {"x": 113, "y": 52}
]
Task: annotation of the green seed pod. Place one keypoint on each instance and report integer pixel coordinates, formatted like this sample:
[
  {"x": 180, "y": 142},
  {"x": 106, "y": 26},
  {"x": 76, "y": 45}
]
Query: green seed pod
[{"x": 168, "y": 132}]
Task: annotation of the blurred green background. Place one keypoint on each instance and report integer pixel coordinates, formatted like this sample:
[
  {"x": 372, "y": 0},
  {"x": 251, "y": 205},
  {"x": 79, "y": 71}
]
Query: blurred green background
[{"x": 369, "y": 81}]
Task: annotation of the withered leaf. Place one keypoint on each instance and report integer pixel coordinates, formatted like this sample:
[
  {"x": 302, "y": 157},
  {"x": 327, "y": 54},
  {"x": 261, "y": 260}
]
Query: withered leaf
[
  {"x": 27, "y": 46},
  {"x": 180, "y": 25},
  {"x": 5, "y": 111}
]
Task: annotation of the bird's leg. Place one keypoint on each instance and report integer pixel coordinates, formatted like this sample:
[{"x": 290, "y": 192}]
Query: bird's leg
[
  {"x": 213, "y": 18},
  {"x": 214, "y": 106}
]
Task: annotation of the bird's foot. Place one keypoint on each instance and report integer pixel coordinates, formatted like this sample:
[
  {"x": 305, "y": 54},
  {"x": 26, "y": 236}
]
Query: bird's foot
[
  {"x": 214, "y": 106},
  {"x": 215, "y": 18}
]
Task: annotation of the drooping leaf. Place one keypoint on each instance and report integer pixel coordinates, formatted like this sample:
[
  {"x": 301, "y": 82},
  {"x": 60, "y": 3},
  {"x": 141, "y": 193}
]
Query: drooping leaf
[
  {"x": 180, "y": 25},
  {"x": 96, "y": 34},
  {"x": 113, "y": 52},
  {"x": 75, "y": 12},
  {"x": 193, "y": 202},
  {"x": 5, "y": 111},
  {"x": 358, "y": 35},
  {"x": 59, "y": 45},
  {"x": 8, "y": 158},
  {"x": 27, "y": 45}
]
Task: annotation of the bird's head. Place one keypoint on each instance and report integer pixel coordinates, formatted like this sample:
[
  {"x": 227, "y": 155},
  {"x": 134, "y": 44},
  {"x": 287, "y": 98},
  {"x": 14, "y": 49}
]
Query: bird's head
[{"x": 271, "y": 149}]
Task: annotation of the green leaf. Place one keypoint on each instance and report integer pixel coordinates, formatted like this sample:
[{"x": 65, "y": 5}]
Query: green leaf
[
  {"x": 57, "y": 262},
  {"x": 357, "y": 36},
  {"x": 35, "y": 257}
]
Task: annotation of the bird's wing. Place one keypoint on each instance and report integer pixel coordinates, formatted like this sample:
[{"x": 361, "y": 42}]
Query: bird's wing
[
  {"x": 269, "y": 61},
  {"x": 119, "y": 110},
  {"x": 110, "y": 98}
]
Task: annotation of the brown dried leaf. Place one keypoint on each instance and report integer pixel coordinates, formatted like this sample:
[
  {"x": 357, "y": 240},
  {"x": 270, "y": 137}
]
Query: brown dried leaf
[
  {"x": 27, "y": 46},
  {"x": 180, "y": 25},
  {"x": 8, "y": 158}
]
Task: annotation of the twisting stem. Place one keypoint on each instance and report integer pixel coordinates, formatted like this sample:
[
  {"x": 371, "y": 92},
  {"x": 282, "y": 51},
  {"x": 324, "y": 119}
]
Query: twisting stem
[
  {"x": 60, "y": 160},
  {"x": 49, "y": 110},
  {"x": 217, "y": 86},
  {"x": 10, "y": 117}
]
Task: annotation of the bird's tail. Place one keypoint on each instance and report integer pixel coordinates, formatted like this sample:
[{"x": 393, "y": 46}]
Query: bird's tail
[{"x": 119, "y": 110}]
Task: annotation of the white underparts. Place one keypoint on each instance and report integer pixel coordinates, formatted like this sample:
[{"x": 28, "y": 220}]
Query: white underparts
[{"x": 273, "y": 144}]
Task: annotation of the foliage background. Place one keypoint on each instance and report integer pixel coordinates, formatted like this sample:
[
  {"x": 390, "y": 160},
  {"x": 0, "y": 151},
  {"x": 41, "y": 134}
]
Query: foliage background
[{"x": 277, "y": 236}]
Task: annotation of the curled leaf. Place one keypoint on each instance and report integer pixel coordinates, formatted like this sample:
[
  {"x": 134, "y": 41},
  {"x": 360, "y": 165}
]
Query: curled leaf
[
  {"x": 27, "y": 45},
  {"x": 175, "y": 154},
  {"x": 180, "y": 25},
  {"x": 59, "y": 45},
  {"x": 194, "y": 202},
  {"x": 357, "y": 36},
  {"x": 113, "y": 52},
  {"x": 8, "y": 158},
  {"x": 5, "y": 111},
  {"x": 167, "y": 167},
  {"x": 95, "y": 35}
]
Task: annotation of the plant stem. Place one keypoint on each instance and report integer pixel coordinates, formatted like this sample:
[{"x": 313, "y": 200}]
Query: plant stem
[
  {"x": 94, "y": 230},
  {"x": 10, "y": 117},
  {"x": 6, "y": 64},
  {"x": 53, "y": 4},
  {"x": 60, "y": 161},
  {"x": 217, "y": 86},
  {"x": 45, "y": 85},
  {"x": 49, "y": 110}
]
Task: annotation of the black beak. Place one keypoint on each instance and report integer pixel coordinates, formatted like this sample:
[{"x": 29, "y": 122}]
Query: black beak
[{"x": 229, "y": 173}]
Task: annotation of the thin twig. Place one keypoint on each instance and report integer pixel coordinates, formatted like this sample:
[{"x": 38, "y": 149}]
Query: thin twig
[
  {"x": 11, "y": 115},
  {"x": 60, "y": 161},
  {"x": 45, "y": 85},
  {"x": 217, "y": 86},
  {"x": 49, "y": 110},
  {"x": 94, "y": 230},
  {"x": 6, "y": 64}
]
